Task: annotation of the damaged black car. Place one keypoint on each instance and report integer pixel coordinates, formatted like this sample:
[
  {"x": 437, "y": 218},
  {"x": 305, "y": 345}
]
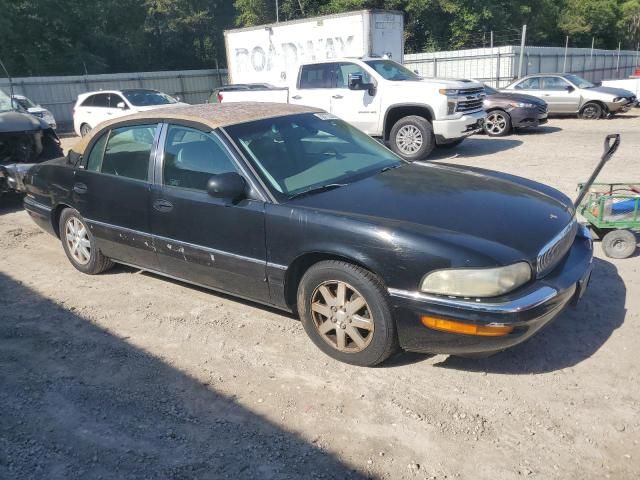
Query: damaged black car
[{"x": 25, "y": 140}]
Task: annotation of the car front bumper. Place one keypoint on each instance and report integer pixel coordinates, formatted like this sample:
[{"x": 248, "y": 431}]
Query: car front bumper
[
  {"x": 527, "y": 117},
  {"x": 464, "y": 126},
  {"x": 527, "y": 311}
]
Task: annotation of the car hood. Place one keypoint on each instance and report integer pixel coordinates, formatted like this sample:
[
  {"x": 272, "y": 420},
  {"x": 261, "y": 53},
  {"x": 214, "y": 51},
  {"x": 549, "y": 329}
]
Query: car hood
[
  {"x": 616, "y": 92},
  {"x": 20, "y": 122},
  {"x": 514, "y": 97},
  {"x": 441, "y": 200}
]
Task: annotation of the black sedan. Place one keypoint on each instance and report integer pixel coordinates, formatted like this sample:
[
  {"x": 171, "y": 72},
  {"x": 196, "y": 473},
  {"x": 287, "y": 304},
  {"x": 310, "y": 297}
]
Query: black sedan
[
  {"x": 507, "y": 111},
  {"x": 291, "y": 207}
]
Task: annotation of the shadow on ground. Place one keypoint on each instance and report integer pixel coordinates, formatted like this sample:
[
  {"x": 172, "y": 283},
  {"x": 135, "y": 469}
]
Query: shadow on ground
[
  {"x": 79, "y": 402},
  {"x": 10, "y": 202},
  {"x": 573, "y": 337},
  {"x": 542, "y": 130},
  {"x": 475, "y": 146}
]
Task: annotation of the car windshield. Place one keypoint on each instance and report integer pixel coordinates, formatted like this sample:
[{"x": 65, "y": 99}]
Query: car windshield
[
  {"x": 579, "y": 81},
  {"x": 299, "y": 153},
  {"x": 390, "y": 70},
  {"x": 147, "y": 98},
  {"x": 5, "y": 102},
  {"x": 25, "y": 103}
]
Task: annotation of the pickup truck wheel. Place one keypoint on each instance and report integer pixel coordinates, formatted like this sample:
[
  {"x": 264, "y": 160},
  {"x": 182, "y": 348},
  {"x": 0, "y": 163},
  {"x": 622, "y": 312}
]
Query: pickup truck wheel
[
  {"x": 345, "y": 312},
  {"x": 619, "y": 243},
  {"x": 412, "y": 138},
  {"x": 497, "y": 124},
  {"x": 591, "y": 111},
  {"x": 79, "y": 244}
]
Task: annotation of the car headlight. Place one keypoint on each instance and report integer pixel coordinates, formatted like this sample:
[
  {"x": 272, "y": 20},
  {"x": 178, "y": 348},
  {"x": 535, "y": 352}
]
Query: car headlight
[
  {"x": 38, "y": 114},
  {"x": 476, "y": 282},
  {"x": 522, "y": 105},
  {"x": 452, "y": 99},
  {"x": 619, "y": 99}
]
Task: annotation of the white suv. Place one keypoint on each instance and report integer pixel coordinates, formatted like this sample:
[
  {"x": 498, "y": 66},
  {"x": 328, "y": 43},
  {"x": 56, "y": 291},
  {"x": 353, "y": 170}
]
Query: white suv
[{"x": 93, "y": 108}]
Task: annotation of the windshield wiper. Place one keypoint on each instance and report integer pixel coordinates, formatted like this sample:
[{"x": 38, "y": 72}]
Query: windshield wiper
[{"x": 321, "y": 188}]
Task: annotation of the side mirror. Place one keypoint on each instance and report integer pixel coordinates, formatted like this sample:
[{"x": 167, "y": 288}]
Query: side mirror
[
  {"x": 597, "y": 84},
  {"x": 570, "y": 88},
  {"x": 230, "y": 186},
  {"x": 121, "y": 106}
]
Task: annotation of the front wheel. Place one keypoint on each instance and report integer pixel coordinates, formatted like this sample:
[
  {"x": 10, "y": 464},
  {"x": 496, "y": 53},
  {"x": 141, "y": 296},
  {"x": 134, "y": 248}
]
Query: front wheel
[
  {"x": 85, "y": 129},
  {"x": 591, "y": 111},
  {"x": 497, "y": 124},
  {"x": 345, "y": 312},
  {"x": 412, "y": 138},
  {"x": 80, "y": 245},
  {"x": 619, "y": 243}
]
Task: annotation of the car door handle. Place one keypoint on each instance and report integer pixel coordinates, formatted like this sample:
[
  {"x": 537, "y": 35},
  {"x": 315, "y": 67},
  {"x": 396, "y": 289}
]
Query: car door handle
[
  {"x": 80, "y": 188},
  {"x": 337, "y": 97},
  {"x": 296, "y": 97},
  {"x": 163, "y": 205}
]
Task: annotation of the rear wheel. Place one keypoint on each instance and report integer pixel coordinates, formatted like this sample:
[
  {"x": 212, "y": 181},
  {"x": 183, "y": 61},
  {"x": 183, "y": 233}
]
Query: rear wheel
[
  {"x": 412, "y": 138},
  {"x": 84, "y": 129},
  {"x": 619, "y": 243},
  {"x": 79, "y": 244},
  {"x": 497, "y": 124},
  {"x": 345, "y": 312},
  {"x": 591, "y": 111}
]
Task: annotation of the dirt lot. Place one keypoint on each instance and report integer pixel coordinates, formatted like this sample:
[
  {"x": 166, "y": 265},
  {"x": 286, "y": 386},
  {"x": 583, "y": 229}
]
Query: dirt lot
[{"x": 128, "y": 375}]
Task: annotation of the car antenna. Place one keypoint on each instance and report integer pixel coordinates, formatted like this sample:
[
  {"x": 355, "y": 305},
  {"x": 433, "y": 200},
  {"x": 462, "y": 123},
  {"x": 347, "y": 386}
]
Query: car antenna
[
  {"x": 611, "y": 143},
  {"x": 10, "y": 82}
]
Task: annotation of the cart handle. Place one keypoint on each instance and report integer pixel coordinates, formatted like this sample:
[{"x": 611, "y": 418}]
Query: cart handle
[{"x": 611, "y": 144}]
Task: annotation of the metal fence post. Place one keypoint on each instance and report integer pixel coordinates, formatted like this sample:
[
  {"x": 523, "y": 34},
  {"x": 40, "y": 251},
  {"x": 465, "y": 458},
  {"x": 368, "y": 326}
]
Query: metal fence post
[
  {"x": 498, "y": 70},
  {"x": 524, "y": 34},
  {"x": 435, "y": 67},
  {"x": 618, "y": 61},
  {"x": 566, "y": 47}
]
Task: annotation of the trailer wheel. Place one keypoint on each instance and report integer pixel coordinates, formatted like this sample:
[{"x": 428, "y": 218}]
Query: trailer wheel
[
  {"x": 412, "y": 138},
  {"x": 619, "y": 243}
]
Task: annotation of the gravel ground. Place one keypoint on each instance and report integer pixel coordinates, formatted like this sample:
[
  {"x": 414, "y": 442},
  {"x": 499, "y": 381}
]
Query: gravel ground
[{"x": 130, "y": 376}]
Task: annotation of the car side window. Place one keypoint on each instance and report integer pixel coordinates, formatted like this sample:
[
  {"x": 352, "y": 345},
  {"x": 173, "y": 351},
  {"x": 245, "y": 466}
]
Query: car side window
[
  {"x": 114, "y": 100},
  {"x": 100, "y": 100},
  {"x": 128, "y": 152},
  {"x": 554, "y": 83},
  {"x": 88, "y": 102},
  {"x": 529, "y": 84},
  {"x": 317, "y": 76},
  {"x": 97, "y": 151},
  {"x": 344, "y": 69},
  {"x": 192, "y": 157}
]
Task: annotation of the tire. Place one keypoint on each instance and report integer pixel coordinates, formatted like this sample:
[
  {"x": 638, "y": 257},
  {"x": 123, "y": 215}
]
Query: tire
[
  {"x": 412, "y": 138},
  {"x": 497, "y": 124},
  {"x": 367, "y": 297},
  {"x": 591, "y": 111},
  {"x": 453, "y": 144},
  {"x": 90, "y": 260},
  {"x": 84, "y": 129},
  {"x": 619, "y": 243}
]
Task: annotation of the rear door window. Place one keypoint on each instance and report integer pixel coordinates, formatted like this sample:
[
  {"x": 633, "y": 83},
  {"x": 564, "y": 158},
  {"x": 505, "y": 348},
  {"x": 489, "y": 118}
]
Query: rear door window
[
  {"x": 128, "y": 152},
  {"x": 529, "y": 84},
  {"x": 320, "y": 75},
  {"x": 100, "y": 100}
]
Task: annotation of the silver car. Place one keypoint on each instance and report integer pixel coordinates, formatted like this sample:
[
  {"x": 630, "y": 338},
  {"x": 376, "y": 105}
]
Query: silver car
[
  {"x": 36, "y": 110},
  {"x": 567, "y": 93}
]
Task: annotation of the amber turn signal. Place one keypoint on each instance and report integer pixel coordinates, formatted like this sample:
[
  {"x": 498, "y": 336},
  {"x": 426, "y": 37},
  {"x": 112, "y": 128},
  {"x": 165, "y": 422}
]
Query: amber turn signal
[{"x": 465, "y": 328}]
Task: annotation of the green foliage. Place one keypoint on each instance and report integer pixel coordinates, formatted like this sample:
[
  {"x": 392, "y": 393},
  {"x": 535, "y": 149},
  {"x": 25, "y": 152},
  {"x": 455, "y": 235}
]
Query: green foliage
[{"x": 43, "y": 37}]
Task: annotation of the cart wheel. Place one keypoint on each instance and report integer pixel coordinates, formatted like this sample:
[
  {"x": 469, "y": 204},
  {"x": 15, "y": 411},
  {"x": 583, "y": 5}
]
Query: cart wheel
[{"x": 619, "y": 243}]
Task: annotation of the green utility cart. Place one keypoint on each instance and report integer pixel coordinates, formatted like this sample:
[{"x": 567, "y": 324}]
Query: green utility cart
[{"x": 613, "y": 213}]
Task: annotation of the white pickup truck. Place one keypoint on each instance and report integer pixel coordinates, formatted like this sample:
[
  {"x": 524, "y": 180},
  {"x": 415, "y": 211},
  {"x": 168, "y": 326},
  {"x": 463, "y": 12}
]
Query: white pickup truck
[{"x": 384, "y": 99}]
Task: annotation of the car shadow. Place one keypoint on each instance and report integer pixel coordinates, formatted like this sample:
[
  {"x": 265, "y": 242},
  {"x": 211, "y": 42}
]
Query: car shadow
[
  {"x": 80, "y": 402},
  {"x": 577, "y": 334},
  {"x": 542, "y": 130},
  {"x": 475, "y": 146},
  {"x": 10, "y": 202}
]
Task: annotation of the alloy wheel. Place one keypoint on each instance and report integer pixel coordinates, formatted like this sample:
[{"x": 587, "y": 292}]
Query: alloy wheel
[
  {"x": 77, "y": 238},
  {"x": 591, "y": 112},
  {"x": 496, "y": 123},
  {"x": 342, "y": 316},
  {"x": 409, "y": 139}
]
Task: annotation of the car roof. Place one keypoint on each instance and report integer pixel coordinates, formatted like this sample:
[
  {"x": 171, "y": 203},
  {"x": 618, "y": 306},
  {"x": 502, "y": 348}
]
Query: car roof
[{"x": 212, "y": 115}]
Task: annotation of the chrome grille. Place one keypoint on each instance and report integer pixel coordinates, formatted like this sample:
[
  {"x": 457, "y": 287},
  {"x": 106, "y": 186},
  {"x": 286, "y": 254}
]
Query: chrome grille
[
  {"x": 556, "y": 249},
  {"x": 470, "y": 100},
  {"x": 542, "y": 108}
]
